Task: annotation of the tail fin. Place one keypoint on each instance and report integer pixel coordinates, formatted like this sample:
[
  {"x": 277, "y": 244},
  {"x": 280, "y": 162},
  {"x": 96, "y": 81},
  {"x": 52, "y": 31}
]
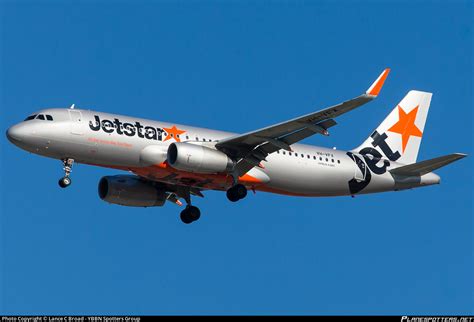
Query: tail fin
[{"x": 398, "y": 137}]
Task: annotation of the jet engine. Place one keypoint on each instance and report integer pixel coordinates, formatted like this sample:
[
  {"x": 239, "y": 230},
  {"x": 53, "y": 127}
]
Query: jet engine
[
  {"x": 197, "y": 158},
  {"x": 128, "y": 190},
  {"x": 153, "y": 154}
]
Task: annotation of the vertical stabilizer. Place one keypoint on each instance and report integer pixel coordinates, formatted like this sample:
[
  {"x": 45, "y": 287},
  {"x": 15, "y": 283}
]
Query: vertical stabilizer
[{"x": 398, "y": 137}]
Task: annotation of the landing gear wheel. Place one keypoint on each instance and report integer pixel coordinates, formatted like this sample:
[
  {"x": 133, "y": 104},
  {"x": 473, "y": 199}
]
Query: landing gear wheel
[
  {"x": 190, "y": 214},
  {"x": 64, "y": 182},
  {"x": 240, "y": 191},
  {"x": 231, "y": 195},
  {"x": 194, "y": 213},
  {"x": 237, "y": 192},
  {"x": 185, "y": 217}
]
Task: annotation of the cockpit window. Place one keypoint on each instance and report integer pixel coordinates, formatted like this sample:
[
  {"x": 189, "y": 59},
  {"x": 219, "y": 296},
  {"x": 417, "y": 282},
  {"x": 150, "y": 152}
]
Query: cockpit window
[
  {"x": 30, "y": 117},
  {"x": 40, "y": 117}
]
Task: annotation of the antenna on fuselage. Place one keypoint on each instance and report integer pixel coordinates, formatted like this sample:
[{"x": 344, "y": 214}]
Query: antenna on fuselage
[{"x": 72, "y": 106}]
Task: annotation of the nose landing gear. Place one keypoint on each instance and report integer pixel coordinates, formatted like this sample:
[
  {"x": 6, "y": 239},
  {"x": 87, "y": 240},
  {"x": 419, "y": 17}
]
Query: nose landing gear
[{"x": 65, "y": 181}]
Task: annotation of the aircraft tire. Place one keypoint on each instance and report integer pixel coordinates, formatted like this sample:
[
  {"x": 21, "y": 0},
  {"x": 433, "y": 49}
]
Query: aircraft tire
[
  {"x": 237, "y": 192},
  {"x": 240, "y": 191},
  {"x": 194, "y": 213},
  {"x": 231, "y": 195},
  {"x": 186, "y": 217},
  {"x": 64, "y": 182}
]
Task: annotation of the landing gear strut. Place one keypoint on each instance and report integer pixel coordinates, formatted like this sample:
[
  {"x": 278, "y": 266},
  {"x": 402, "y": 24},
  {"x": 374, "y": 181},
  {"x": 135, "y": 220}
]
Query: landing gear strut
[
  {"x": 190, "y": 213},
  {"x": 65, "y": 181},
  {"x": 237, "y": 192}
]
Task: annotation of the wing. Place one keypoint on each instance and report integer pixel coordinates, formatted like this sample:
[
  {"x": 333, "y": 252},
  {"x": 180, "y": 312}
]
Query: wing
[{"x": 253, "y": 147}]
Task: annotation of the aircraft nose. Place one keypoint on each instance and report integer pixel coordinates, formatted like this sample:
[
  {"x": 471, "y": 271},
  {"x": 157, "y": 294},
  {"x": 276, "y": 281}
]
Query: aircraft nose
[{"x": 17, "y": 133}]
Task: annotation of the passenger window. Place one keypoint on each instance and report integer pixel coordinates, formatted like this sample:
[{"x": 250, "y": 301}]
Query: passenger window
[
  {"x": 197, "y": 139},
  {"x": 332, "y": 160},
  {"x": 327, "y": 159},
  {"x": 302, "y": 155},
  {"x": 40, "y": 117},
  {"x": 187, "y": 137},
  {"x": 296, "y": 154},
  {"x": 30, "y": 117},
  {"x": 320, "y": 159},
  {"x": 338, "y": 161},
  {"x": 284, "y": 152},
  {"x": 314, "y": 157}
]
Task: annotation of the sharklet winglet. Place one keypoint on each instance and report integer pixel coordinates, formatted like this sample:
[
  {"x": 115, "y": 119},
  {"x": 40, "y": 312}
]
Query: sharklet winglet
[{"x": 375, "y": 88}]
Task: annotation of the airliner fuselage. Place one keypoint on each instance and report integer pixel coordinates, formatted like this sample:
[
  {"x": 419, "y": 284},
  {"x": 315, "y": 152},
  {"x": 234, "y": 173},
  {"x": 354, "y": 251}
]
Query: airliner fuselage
[
  {"x": 120, "y": 142},
  {"x": 171, "y": 161}
]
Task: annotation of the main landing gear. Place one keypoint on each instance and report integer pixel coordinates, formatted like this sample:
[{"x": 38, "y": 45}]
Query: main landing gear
[
  {"x": 237, "y": 192},
  {"x": 65, "y": 181},
  {"x": 190, "y": 213}
]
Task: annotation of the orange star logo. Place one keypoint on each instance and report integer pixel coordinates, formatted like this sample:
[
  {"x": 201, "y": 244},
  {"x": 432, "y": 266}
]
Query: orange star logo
[
  {"x": 174, "y": 133},
  {"x": 406, "y": 125}
]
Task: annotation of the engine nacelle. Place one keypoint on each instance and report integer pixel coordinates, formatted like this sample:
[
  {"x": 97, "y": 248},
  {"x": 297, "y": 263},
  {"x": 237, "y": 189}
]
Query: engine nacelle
[
  {"x": 153, "y": 154},
  {"x": 130, "y": 191},
  {"x": 197, "y": 158}
]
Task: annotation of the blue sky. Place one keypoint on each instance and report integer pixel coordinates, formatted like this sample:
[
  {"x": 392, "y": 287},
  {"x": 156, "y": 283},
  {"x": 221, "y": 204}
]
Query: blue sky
[{"x": 236, "y": 66}]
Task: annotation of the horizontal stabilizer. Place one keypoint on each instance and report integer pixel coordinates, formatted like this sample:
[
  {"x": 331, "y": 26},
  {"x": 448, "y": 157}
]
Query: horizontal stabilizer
[{"x": 427, "y": 166}]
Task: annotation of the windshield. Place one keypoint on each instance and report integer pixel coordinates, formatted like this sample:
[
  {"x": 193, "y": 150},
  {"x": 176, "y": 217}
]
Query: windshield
[{"x": 30, "y": 117}]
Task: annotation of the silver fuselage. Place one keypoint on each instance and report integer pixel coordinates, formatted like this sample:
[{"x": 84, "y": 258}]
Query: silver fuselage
[{"x": 117, "y": 141}]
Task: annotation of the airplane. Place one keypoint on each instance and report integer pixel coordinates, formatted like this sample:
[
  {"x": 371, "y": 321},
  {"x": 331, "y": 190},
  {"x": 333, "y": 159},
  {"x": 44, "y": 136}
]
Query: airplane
[{"x": 169, "y": 161}]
